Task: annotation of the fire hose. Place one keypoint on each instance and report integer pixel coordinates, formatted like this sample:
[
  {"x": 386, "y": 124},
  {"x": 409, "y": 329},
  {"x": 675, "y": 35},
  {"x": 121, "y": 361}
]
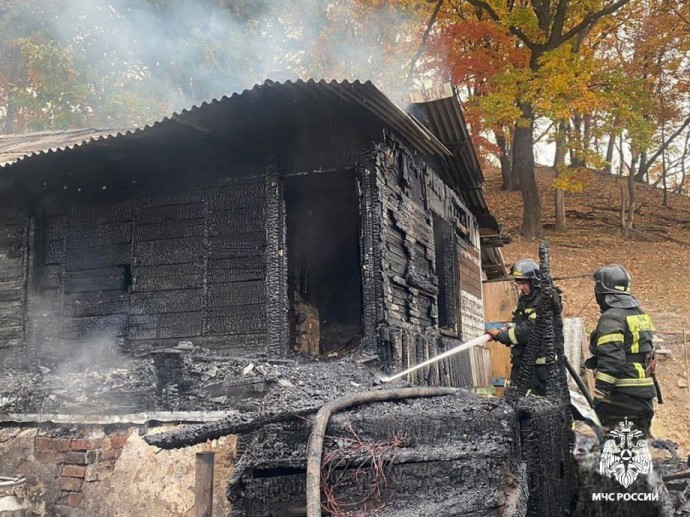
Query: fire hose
[{"x": 315, "y": 445}]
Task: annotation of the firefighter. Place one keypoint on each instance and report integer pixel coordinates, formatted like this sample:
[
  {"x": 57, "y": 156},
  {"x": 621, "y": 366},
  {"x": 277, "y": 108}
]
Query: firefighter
[
  {"x": 622, "y": 353},
  {"x": 525, "y": 272}
]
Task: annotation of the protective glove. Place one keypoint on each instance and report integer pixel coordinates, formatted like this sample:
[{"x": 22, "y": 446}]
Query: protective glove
[
  {"x": 591, "y": 363},
  {"x": 492, "y": 333}
]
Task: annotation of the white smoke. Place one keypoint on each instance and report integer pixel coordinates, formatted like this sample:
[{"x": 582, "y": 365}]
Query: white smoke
[{"x": 155, "y": 57}]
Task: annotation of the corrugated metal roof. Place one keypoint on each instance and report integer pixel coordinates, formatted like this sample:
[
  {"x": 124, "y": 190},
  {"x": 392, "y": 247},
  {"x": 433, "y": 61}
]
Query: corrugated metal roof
[
  {"x": 240, "y": 109},
  {"x": 443, "y": 116},
  {"x": 241, "y": 115},
  {"x": 17, "y": 147}
]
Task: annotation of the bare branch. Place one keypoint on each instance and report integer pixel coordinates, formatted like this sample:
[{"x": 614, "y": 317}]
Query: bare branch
[
  {"x": 668, "y": 142},
  {"x": 590, "y": 19},
  {"x": 425, "y": 38},
  {"x": 558, "y": 23}
]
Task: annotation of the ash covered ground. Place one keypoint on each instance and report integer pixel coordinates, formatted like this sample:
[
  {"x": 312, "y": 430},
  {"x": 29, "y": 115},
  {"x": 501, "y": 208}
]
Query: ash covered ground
[{"x": 178, "y": 379}]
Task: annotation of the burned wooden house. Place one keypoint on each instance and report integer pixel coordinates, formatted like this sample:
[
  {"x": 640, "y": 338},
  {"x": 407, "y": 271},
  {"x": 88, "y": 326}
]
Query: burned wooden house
[{"x": 307, "y": 216}]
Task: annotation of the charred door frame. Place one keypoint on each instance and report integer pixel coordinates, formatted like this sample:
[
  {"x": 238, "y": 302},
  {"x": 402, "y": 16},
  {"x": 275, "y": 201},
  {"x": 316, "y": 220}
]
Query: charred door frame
[{"x": 356, "y": 183}]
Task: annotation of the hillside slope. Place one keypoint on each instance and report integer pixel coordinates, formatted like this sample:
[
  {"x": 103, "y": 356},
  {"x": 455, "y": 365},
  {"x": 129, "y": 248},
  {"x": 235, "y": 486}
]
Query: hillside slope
[{"x": 660, "y": 270}]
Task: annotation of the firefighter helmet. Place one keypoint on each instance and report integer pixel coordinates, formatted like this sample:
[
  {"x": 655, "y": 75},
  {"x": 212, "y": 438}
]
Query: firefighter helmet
[
  {"x": 612, "y": 279},
  {"x": 526, "y": 269}
]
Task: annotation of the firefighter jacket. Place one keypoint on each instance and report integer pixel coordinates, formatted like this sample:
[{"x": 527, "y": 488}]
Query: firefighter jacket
[
  {"x": 622, "y": 345},
  {"x": 524, "y": 319}
]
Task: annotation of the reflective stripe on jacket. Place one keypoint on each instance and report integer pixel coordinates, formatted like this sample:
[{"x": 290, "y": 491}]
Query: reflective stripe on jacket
[
  {"x": 622, "y": 343},
  {"x": 524, "y": 318}
]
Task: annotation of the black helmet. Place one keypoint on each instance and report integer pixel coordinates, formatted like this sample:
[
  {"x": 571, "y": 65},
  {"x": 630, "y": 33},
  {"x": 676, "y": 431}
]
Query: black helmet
[
  {"x": 526, "y": 269},
  {"x": 612, "y": 279}
]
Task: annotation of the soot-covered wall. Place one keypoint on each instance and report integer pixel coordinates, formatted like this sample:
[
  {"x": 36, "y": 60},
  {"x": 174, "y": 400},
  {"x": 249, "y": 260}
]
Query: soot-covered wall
[
  {"x": 431, "y": 270},
  {"x": 191, "y": 243},
  {"x": 152, "y": 271},
  {"x": 110, "y": 252}
]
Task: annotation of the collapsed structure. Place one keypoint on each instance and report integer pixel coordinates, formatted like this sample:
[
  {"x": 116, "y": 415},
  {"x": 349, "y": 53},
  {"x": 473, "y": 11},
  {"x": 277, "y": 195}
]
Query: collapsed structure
[
  {"x": 143, "y": 270},
  {"x": 192, "y": 266},
  {"x": 300, "y": 216}
]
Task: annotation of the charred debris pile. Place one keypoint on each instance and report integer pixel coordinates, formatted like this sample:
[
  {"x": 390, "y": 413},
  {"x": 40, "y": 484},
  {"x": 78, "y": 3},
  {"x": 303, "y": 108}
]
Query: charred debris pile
[
  {"x": 183, "y": 378},
  {"x": 452, "y": 454}
]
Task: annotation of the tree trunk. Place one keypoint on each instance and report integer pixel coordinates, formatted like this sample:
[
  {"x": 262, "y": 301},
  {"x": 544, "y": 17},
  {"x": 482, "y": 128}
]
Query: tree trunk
[
  {"x": 631, "y": 205},
  {"x": 511, "y": 181},
  {"x": 641, "y": 175},
  {"x": 576, "y": 151},
  {"x": 523, "y": 162},
  {"x": 559, "y": 167},
  {"x": 561, "y": 148},
  {"x": 609, "y": 152},
  {"x": 681, "y": 184},
  {"x": 630, "y": 216},
  {"x": 663, "y": 166}
]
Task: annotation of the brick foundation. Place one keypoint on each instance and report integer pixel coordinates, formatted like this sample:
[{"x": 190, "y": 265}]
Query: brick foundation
[{"x": 78, "y": 460}]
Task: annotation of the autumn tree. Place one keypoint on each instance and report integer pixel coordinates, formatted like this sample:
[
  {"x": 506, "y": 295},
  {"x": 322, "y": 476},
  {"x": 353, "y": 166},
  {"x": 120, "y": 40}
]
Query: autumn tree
[
  {"x": 484, "y": 62},
  {"x": 542, "y": 27}
]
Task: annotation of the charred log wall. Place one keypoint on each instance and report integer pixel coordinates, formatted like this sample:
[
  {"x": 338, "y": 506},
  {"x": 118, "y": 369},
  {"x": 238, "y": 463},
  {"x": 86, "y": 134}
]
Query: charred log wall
[
  {"x": 152, "y": 271},
  {"x": 456, "y": 455},
  {"x": 13, "y": 275},
  {"x": 416, "y": 255}
]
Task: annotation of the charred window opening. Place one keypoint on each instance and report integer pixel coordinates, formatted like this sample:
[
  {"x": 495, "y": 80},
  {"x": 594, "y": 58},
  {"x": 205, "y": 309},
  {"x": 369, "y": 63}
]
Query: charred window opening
[
  {"x": 324, "y": 270},
  {"x": 126, "y": 275},
  {"x": 443, "y": 247}
]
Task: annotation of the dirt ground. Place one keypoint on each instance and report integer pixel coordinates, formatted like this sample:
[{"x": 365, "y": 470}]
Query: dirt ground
[{"x": 660, "y": 270}]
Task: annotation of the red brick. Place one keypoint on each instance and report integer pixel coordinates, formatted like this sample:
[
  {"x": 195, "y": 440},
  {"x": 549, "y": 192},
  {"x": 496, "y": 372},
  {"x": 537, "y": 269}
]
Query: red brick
[
  {"x": 117, "y": 441},
  {"x": 76, "y": 458},
  {"x": 73, "y": 471},
  {"x": 49, "y": 456},
  {"x": 74, "y": 499},
  {"x": 61, "y": 444},
  {"x": 71, "y": 484},
  {"x": 43, "y": 443},
  {"x": 86, "y": 445}
]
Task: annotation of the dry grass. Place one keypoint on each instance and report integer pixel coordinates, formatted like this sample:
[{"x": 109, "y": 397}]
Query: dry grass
[{"x": 660, "y": 270}]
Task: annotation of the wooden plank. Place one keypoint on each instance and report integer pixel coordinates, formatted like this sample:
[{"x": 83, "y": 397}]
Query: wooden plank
[
  {"x": 169, "y": 230},
  {"x": 238, "y": 293},
  {"x": 10, "y": 292},
  {"x": 236, "y": 269},
  {"x": 172, "y": 212},
  {"x": 105, "y": 279},
  {"x": 94, "y": 326},
  {"x": 142, "y": 327},
  {"x": 240, "y": 220},
  {"x": 180, "y": 324},
  {"x": 238, "y": 196},
  {"x": 143, "y": 283},
  {"x": 181, "y": 300},
  {"x": 173, "y": 251},
  {"x": 101, "y": 213},
  {"x": 238, "y": 245},
  {"x": 86, "y": 234},
  {"x": 500, "y": 300},
  {"x": 99, "y": 303},
  {"x": 55, "y": 252},
  {"x": 98, "y": 258}
]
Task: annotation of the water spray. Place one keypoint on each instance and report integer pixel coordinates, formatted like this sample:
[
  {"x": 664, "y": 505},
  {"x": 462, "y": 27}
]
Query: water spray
[{"x": 456, "y": 350}]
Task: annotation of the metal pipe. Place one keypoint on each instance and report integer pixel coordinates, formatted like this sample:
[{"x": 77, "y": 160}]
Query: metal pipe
[
  {"x": 203, "y": 484},
  {"x": 580, "y": 383}
]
